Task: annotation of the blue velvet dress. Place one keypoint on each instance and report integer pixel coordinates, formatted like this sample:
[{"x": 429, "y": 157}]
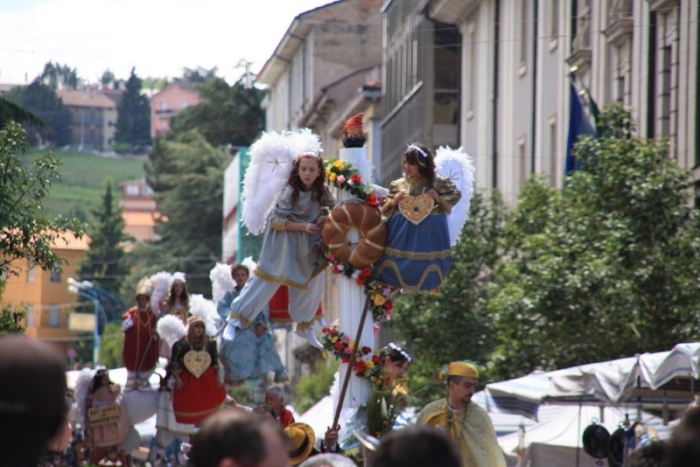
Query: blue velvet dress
[
  {"x": 417, "y": 257},
  {"x": 247, "y": 355}
]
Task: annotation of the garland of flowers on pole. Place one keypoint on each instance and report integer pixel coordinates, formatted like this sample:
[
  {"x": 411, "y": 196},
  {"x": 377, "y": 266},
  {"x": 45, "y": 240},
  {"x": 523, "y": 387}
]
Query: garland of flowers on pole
[
  {"x": 341, "y": 175},
  {"x": 340, "y": 345}
]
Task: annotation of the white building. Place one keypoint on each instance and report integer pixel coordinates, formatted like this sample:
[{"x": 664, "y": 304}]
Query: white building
[{"x": 516, "y": 62}]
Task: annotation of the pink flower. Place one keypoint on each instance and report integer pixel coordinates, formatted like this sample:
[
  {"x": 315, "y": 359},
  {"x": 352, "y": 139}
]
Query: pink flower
[
  {"x": 346, "y": 339},
  {"x": 376, "y": 328},
  {"x": 386, "y": 292},
  {"x": 348, "y": 350},
  {"x": 387, "y": 313},
  {"x": 341, "y": 179}
]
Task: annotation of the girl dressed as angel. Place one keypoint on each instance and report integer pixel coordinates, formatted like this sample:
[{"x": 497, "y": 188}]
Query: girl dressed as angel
[
  {"x": 289, "y": 253},
  {"x": 418, "y": 254},
  {"x": 198, "y": 392},
  {"x": 253, "y": 352}
]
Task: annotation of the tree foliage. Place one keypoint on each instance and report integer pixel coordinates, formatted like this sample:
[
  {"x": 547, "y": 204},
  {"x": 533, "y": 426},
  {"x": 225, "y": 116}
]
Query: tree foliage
[
  {"x": 197, "y": 75},
  {"x": 226, "y": 114},
  {"x": 41, "y": 100},
  {"x": 105, "y": 263},
  {"x": 134, "y": 114},
  {"x": 24, "y": 232},
  {"x": 613, "y": 255},
  {"x": 186, "y": 173},
  {"x": 111, "y": 346},
  {"x": 55, "y": 75},
  {"x": 456, "y": 324},
  {"x": 315, "y": 386},
  {"x": 9, "y": 112},
  {"x": 11, "y": 319}
]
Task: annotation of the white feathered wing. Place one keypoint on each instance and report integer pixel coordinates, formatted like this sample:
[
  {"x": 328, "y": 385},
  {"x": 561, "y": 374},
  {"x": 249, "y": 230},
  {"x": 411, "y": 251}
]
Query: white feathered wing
[
  {"x": 457, "y": 166},
  {"x": 271, "y": 159},
  {"x": 221, "y": 281},
  {"x": 200, "y": 306},
  {"x": 162, "y": 281}
]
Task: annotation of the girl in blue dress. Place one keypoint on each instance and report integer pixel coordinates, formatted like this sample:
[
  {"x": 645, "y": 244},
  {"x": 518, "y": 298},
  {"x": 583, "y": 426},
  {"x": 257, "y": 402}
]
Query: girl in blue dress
[{"x": 418, "y": 253}]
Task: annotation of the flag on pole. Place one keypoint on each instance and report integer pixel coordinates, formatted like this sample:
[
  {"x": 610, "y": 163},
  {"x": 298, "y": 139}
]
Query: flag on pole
[{"x": 580, "y": 123}]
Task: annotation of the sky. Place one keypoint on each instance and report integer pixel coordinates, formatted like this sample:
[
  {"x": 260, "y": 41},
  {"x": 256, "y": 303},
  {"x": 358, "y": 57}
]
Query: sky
[{"x": 158, "y": 37}]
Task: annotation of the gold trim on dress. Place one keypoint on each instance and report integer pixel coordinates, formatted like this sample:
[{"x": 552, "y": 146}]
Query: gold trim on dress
[
  {"x": 290, "y": 283},
  {"x": 442, "y": 254},
  {"x": 244, "y": 321},
  {"x": 305, "y": 326},
  {"x": 280, "y": 225},
  {"x": 411, "y": 288}
]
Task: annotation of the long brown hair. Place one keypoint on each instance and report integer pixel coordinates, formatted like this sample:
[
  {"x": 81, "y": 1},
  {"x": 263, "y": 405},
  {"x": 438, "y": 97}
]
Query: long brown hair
[
  {"x": 425, "y": 163},
  {"x": 184, "y": 298},
  {"x": 297, "y": 185}
]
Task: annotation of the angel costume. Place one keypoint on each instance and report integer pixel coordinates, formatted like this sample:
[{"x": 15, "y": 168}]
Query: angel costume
[
  {"x": 201, "y": 396},
  {"x": 417, "y": 257},
  {"x": 288, "y": 257},
  {"x": 249, "y": 355}
]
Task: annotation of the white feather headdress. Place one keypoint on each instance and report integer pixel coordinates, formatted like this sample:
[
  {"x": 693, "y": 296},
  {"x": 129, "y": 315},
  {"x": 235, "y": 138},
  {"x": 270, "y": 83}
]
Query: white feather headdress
[
  {"x": 249, "y": 263},
  {"x": 200, "y": 306},
  {"x": 162, "y": 282},
  {"x": 82, "y": 388},
  {"x": 179, "y": 276},
  {"x": 221, "y": 281},
  {"x": 457, "y": 166},
  {"x": 171, "y": 329}
]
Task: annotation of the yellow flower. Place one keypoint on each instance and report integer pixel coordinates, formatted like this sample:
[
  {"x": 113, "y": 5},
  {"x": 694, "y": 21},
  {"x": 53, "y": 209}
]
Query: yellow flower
[
  {"x": 328, "y": 173},
  {"x": 332, "y": 177},
  {"x": 351, "y": 344},
  {"x": 325, "y": 356},
  {"x": 378, "y": 299},
  {"x": 339, "y": 164},
  {"x": 334, "y": 340},
  {"x": 366, "y": 373},
  {"x": 369, "y": 364}
]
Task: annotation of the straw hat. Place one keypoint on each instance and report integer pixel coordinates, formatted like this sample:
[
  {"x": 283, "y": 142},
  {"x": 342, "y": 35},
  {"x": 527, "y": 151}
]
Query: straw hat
[{"x": 302, "y": 439}]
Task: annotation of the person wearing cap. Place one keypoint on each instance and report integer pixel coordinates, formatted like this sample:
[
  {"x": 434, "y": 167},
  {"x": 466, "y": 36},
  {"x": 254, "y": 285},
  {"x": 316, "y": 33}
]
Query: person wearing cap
[
  {"x": 141, "y": 341},
  {"x": 32, "y": 399},
  {"x": 467, "y": 424},
  {"x": 302, "y": 440}
]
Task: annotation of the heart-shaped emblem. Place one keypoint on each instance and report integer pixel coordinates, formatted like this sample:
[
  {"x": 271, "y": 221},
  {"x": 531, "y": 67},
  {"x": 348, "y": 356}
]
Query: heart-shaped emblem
[
  {"x": 416, "y": 208},
  {"x": 197, "y": 362}
]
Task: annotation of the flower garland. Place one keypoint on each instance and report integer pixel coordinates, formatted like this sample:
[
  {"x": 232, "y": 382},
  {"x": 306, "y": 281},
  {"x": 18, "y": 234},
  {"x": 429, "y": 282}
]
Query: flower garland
[
  {"x": 340, "y": 345},
  {"x": 341, "y": 175}
]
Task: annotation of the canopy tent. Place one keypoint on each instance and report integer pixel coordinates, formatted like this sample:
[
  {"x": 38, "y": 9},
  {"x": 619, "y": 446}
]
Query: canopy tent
[
  {"x": 667, "y": 380},
  {"x": 557, "y": 442}
]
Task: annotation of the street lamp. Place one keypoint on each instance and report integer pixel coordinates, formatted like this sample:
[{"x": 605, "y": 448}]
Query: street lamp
[
  {"x": 98, "y": 308},
  {"x": 115, "y": 305}
]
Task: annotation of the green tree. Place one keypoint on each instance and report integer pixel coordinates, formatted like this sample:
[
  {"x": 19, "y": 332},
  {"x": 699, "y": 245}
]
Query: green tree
[
  {"x": 438, "y": 326},
  {"x": 105, "y": 262},
  {"x": 155, "y": 84},
  {"x": 24, "y": 233},
  {"x": 197, "y": 75},
  {"x": 111, "y": 346},
  {"x": 9, "y": 112},
  {"x": 614, "y": 255},
  {"x": 42, "y": 101},
  {"x": 55, "y": 75},
  {"x": 133, "y": 125},
  {"x": 107, "y": 78},
  {"x": 11, "y": 319},
  {"x": 186, "y": 173},
  {"x": 317, "y": 385},
  {"x": 226, "y": 114}
]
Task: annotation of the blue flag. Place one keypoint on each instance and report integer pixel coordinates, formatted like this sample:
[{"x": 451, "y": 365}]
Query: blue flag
[{"x": 579, "y": 124}]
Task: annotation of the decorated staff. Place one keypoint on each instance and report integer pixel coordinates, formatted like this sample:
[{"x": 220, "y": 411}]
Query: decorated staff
[
  {"x": 253, "y": 352},
  {"x": 285, "y": 195},
  {"x": 102, "y": 408},
  {"x": 141, "y": 342}
]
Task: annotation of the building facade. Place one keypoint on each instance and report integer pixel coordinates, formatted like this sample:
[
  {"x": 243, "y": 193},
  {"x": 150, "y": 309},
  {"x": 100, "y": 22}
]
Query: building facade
[
  {"x": 140, "y": 210},
  {"x": 320, "y": 47},
  {"x": 94, "y": 117},
  {"x": 519, "y": 58},
  {"x": 168, "y": 103},
  {"x": 46, "y": 294},
  {"x": 420, "y": 83}
]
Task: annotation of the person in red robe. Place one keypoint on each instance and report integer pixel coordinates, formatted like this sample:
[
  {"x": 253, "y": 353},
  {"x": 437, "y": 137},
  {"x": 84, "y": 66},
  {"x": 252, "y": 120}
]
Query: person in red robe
[{"x": 140, "y": 339}]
